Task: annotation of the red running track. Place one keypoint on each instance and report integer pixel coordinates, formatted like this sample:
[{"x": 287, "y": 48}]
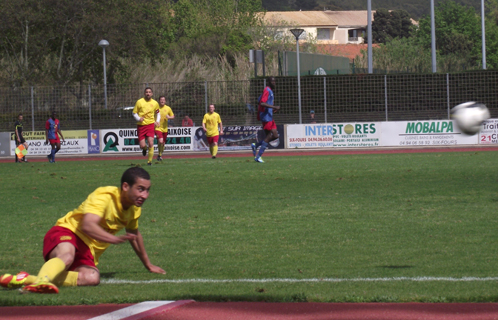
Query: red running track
[{"x": 269, "y": 311}]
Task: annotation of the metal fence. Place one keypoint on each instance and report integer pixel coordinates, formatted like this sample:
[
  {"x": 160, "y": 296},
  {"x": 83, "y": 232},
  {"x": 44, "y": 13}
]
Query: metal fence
[{"x": 341, "y": 98}]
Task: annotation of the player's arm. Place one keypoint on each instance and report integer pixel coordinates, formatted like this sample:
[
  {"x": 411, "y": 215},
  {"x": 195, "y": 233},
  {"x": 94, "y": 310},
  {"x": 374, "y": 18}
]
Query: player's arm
[
  {"x": 138, "y": 245},
  {"x": 221, "y": 127},
  {"x": 90, "y": 225},
  {"x": 135, "y": 113},
  {"x": 46, "y": 132},
  {"x": 17, "y": 136},
  {"x": 60, "y": 133},
  {"x": 170, "y": 116},
  {"x": 266, "y": 105},
  {"x": 204, "y": 125},
  {"x": 158, "y": 118}
]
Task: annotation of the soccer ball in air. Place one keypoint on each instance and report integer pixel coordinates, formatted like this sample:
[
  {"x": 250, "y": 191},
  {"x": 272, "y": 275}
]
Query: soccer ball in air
[{"x": 469, "y": 116}]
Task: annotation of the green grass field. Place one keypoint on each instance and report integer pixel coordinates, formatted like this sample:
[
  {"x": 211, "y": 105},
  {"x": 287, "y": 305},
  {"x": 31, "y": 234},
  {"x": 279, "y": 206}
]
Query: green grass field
[{"x": 355, "y": 218}]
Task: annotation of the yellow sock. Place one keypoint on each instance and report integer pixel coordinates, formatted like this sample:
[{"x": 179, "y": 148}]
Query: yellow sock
[
  {"x": 211, "y": 149},
  {"x": 151, "y": 154},
  {"x": 161, "y": 149},
  {"x": 50, "y": 270},
  {"x": 30, "y": 279},
  {"x": 215, "y": 150},
  {"x": 67, "y": 279}
]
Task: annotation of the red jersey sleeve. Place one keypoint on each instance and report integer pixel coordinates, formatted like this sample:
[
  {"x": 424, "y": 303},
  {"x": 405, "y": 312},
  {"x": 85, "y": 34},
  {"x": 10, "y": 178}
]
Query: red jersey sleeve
[
  {"x": 264, "y": 96},
  {"x": 47, "y": 125}
]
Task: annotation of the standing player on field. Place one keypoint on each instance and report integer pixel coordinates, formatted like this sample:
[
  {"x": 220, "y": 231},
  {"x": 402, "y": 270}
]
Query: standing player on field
[
  {"x": 52, "y": 133},
  {"x": 144, "y": 112},
  {"x": 265, "y": 114},
  {"x": 19, "y": 137},
  {"x": 165, "y": 114},
  {"x": 210, "y": 125},
  {"x": 73, "y": 246}
]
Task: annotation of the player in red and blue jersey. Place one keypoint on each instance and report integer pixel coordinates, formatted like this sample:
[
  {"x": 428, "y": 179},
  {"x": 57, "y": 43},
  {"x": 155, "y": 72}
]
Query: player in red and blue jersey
[
  {"x": 265, "y": 115},
  {"x": 52, "y": 133}
]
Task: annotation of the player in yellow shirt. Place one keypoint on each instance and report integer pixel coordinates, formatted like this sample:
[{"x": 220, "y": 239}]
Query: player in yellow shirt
[
  {"x": 165, "y": 114},
  {"x": 144, "y": 112},
  {"x": 73, "y": 246},
  {"x": 210, "y": 125}
]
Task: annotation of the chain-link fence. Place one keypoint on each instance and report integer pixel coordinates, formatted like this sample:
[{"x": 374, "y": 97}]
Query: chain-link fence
[{"x": 341, "y": 98}]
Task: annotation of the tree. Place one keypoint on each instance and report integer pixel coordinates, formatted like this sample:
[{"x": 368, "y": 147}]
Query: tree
[
  {"x": 458, "y": 31},
  {"x": 388, "y": 25},
  {"x": 57, "y": 39},
  {"x": 213, "y": 27},
  {"x": 305, "y": 5}
]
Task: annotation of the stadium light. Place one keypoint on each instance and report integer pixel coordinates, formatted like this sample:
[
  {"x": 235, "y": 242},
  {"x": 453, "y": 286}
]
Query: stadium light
[
  {"x": 104, "y": 44},
  {"x": 369, "y": 36},
  {"x": 297, "y": 33},
  {"x": 483, "y": 36}
]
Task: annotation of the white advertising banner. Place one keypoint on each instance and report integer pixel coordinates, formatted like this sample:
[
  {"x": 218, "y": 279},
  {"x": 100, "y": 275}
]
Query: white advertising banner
[
  {"x": 339, "y": 135},
  {"x": 489, "y": 132},
  {"x": 76, "y": 142},
  {"x": 423, "y": 133},
  {"x": 126, "y": 140}
]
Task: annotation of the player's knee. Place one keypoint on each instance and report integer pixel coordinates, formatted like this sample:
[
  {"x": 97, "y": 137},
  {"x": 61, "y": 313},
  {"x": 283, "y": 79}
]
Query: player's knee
[{"x": 88, "y": 277}]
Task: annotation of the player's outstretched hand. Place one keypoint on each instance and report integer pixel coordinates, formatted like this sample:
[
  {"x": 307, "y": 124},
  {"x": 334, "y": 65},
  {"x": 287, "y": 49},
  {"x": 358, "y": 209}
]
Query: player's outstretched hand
[
  {"x": 126, "y": 237},
  {"x": 155, "y": 269},
  {"x": 276, "y": 107}
]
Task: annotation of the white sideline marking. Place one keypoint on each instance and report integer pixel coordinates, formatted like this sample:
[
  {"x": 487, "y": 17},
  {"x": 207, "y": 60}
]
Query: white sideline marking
[
  {"x": 132, "y": 310},
  {"x": 415, "y": 279}
]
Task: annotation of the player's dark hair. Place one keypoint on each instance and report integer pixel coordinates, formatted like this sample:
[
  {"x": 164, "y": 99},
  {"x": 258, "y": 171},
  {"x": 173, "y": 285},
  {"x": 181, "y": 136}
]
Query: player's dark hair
[
  {"x": 148, "y": 88},
  {"x": 161, "y": 97},
  {"x": 130, "y": 175},
  {"x": 20, "y": 114}
]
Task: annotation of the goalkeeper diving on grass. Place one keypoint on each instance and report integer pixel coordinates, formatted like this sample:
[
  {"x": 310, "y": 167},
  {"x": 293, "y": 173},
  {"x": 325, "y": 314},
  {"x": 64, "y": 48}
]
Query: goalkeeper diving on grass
[{"x": 72, "y": 247}]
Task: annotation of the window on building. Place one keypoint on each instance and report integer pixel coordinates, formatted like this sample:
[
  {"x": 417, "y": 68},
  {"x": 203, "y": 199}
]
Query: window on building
[{"x": 323, "y": 34}]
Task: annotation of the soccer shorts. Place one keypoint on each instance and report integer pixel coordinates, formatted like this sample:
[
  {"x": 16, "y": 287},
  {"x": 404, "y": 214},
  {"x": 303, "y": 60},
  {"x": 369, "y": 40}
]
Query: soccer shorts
[
  {"x": 83, "y": 256},
  {"x": 161, "y": 135},
  {"x": 268, "y": 126},
  {"x": 213, "y": 139},
  {"x": 145, "y": 131},
  {"x": 57, "y": 140},
  {"x": 22, "y": 140}
]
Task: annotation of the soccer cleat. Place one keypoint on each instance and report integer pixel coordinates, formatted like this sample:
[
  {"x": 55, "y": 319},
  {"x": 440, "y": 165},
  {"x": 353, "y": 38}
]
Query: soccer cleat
[
  {"x": 24, "y": 159},
  {"x": 259, "y": 159},
  {"x": 144, "y": 152},
  {"x": 40, "y": 287},
  {"x": 213, "y": 157},
  {"x": 10, "y": 281},
  {"x": 149, "y": 163},
  {"x": 253, "y": 147},
  {"x": 159, "y": 158}
]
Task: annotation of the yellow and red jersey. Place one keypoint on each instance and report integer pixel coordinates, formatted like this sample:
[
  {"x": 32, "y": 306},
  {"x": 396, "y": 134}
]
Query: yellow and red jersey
[
  {"x": 106, "y": 203},
  {"x": 147, "y": 110},
  {"x": 212, "y": 121},
  {"x": 164, "y": 111}
]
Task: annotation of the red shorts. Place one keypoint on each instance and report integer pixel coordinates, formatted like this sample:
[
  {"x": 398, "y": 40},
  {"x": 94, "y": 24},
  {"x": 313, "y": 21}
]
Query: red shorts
[
  {"x": 145, "y": 131},
  {"x": 55, "y": 141},
  {"x": 269, "y": 125},
  {"x": 212, "y": 140},
  {"x": 161, "y": 135},
  {"x": 83, "y": 256}
]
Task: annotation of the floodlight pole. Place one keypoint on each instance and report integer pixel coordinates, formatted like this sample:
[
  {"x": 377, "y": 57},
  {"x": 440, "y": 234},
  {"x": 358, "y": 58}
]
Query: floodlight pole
[
  {"x": 104, "y": 44},
  {"x": 369, "y": 35},
  {"x": 433, "y": 38},
  {"x": 483, "y": 36},
  {"x": 297, "y": 33}
]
